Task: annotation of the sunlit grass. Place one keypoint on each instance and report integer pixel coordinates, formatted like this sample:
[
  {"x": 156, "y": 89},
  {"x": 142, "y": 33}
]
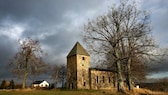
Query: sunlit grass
[
  {"x": 56, "y": 92},
  {"x": 78, "y": 92}
]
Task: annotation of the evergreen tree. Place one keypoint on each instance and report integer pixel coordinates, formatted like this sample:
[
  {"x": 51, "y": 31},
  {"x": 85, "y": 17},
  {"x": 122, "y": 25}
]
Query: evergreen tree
[
  {"x": 3, "y": 84},
  {"x": 11, "y": 86}
]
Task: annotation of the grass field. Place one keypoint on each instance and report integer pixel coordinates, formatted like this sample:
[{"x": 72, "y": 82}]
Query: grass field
[
  {"x": 56, "y": 92},
  {"x": 77, "y": 92}
]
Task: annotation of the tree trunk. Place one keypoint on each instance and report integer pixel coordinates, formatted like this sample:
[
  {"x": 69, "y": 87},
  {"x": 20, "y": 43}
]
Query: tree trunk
[
  {"x": 120, "y": 84},
  {"x": 115, "y": 80},
  {"x": 25, "y": 74},
  {"x": 24, "y": 80},
  {"x": 129, "y": 79}
]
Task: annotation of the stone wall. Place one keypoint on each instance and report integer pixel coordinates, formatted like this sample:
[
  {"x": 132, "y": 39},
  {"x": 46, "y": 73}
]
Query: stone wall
[
  {"x": 71, "y": 72},
  {"x": 83, "y": 71},
  {"x": 101, "y": 79}
]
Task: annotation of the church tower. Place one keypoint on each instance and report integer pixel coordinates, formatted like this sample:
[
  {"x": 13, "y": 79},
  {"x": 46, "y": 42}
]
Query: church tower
[{"x": 78, "y": 64}]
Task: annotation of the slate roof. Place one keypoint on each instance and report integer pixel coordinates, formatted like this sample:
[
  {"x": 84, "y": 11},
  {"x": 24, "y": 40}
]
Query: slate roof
[
  {"x": 77, "y": 49},
  {"x": 37, "y": 82}
]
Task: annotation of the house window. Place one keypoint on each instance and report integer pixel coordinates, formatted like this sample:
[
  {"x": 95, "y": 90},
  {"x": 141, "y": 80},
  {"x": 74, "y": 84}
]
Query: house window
[
  {"x": 83, "y": 58},
  {"x": 103, "y": 79},
  {"x": 84, "y": 83},
  {"x": 97, "y": 79},
  {"x": 109, "y": 80}
]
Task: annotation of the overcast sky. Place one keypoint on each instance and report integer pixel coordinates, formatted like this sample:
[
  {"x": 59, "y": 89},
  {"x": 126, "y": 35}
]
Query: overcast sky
[{"x": 58, "y": 25}]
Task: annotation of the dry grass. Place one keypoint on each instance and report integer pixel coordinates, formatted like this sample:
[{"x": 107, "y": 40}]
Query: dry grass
[
  {"x": 56, "y": 92},
  {"x": 139, "y": 91}
]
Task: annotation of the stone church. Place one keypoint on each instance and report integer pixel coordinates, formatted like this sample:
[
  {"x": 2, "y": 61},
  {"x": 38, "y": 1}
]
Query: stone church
[{"x": 81, "y": 76}]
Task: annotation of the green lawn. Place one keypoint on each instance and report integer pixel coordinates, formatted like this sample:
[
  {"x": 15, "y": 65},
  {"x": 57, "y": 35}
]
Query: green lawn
[{"x": 56, "y": 92}]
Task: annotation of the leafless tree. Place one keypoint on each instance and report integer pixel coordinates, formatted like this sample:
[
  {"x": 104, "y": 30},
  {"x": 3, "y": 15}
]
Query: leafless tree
[
  {"x": 58, "y": 74},
  {"x": 62, "y": 74},
  {"x": 55, "y": 74},
  {"x": 124, "y": 32},
  {"x": 28, "y": 60},
  {"x": 138, "y": 68}
]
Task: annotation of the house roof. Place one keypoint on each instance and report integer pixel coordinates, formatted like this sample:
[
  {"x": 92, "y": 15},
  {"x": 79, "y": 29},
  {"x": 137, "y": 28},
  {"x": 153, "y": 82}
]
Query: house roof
[
  {"x": 77, "y": 49},
  {"x": 37, "y": 82}
]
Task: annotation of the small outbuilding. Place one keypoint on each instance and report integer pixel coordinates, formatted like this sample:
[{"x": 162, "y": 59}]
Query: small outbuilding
[{"x": 41, "y": 84}]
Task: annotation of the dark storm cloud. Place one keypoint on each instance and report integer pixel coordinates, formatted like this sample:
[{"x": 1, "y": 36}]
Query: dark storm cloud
[
  {"x": 158, "y": 68},
  {"x": 21, "y": 10},
  {"x": 42, "y": 11},
  {"x": 160, "y": 64},
  {"x": 41, "y": 15},
  {"x": 54, "y": 23},
  {"x": 7, "y": 51}
]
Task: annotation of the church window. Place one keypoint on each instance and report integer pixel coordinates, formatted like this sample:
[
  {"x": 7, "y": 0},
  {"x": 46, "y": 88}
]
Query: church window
[
  {"x": 109, "y": 80},
  {"x": 103, "y": 79},
  {"x": 97, "y": 79},
  {"x": 84, "y": 83},
  {"x": 83, "y": 58}
]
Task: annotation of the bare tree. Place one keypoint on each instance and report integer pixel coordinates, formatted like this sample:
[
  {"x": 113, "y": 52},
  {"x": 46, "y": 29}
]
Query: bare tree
[
  {"x": 62, "y": 74},
  {"x": 28, "y": 60},
  {"x": 55, "y": 74},
  {"x": 124, "y": 32},
  {"x": 58, "y": 74},
  {"x": 138, "y": 68}
]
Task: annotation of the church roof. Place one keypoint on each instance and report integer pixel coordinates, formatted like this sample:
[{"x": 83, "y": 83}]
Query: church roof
[{"x": 77, "y": 49}]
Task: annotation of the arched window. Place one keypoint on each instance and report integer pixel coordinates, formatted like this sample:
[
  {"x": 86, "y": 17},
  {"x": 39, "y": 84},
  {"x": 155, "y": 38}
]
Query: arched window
[{"x": 84, "y": 83}]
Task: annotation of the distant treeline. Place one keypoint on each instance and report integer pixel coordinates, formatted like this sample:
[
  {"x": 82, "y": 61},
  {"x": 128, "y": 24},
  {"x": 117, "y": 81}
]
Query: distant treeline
[
  {"x": 7, "y": 84},
  {"x": 161, "y": 85}
]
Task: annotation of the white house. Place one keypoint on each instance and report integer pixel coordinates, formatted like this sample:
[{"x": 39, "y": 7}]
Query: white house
[{"x": 43, "y": 84}]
